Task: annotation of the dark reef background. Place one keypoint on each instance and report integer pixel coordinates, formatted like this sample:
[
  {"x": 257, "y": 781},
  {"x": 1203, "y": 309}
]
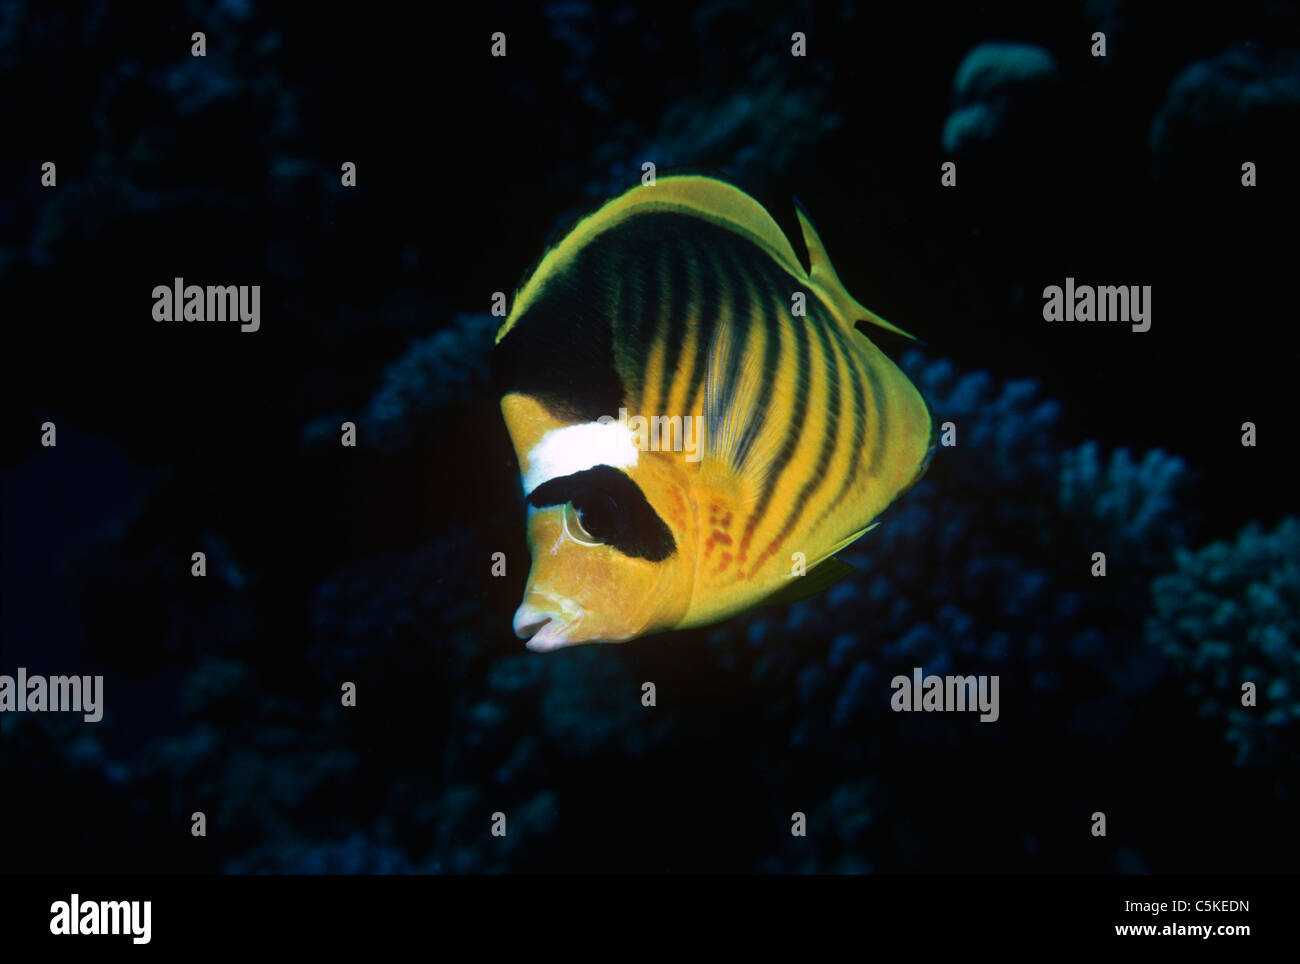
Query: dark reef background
[{"x": 373, "y": 564}]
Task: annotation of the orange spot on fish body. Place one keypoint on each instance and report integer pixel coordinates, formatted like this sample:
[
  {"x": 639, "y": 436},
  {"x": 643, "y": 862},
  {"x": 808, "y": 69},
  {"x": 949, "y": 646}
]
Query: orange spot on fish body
[{"x": 716, "y": 538}]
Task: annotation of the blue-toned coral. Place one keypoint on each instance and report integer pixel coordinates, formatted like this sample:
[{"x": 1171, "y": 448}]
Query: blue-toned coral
[
  {"x": 750, "y": 114},
  {"x": 450, "y": 366},
  {"x": 1127, "y": 506},
  {"x": 1237, "y": 106},
  {"x": 1228, "y": 615},
  {"x": 471, "y": 726},
  {"x": 935, "y": 592},
  {"x": 992, "y": 69},
  {"x": 836, "y": 837},
  {"x": 992, "y": 86}
]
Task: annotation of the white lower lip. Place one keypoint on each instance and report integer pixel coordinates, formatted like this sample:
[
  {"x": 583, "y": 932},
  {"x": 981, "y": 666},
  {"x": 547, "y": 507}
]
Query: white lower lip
[
  {"x": 562, "y": 615},
  {"x": 549, "y": 637}
]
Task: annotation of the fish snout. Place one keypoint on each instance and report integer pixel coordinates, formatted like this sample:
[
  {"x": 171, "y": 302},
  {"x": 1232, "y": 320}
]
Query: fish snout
[
  {"x": 529, "y": 619},
  {"x": 543, "y": 624}
]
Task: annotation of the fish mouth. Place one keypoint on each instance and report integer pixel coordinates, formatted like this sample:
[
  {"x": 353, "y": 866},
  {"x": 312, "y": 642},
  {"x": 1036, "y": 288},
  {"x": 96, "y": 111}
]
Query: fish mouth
[{"x": 543, "y": 629}]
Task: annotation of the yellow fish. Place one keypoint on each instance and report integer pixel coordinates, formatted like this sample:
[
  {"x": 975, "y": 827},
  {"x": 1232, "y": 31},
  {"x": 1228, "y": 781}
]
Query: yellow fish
[{"x": 699, "y": 425}]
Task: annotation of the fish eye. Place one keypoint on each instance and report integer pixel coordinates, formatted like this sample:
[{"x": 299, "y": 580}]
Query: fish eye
[
  {"x": 602, "y": 506},
  {"x": 596, "y": 514}
]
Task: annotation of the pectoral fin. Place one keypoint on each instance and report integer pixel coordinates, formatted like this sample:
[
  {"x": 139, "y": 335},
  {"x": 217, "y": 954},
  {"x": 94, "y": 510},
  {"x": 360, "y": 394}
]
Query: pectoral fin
[{"x": 818, "y": 579}]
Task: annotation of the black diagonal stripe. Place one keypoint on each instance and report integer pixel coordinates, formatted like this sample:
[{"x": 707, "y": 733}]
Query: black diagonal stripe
[
  {"x": 793, "y": 429},
  {"x": 708, "y": 308},
  {"x": 674, "y": 278},
  {"x": 742, "y": 306},
  {"x": 654, "y": 326},
  {"x": 854, "y": 455},
  {"x": 773, "y": 301},
  {"x": 830, "y": 429}
]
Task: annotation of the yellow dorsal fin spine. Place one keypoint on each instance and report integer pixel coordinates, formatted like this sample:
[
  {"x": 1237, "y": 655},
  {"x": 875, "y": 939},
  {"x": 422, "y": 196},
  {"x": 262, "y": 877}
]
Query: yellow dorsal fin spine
[
  {"x": 828, "y": 284},
  {"x": 704, "y": 197}
]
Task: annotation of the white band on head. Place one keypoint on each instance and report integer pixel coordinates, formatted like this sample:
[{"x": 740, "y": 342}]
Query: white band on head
[{"x": 575, "y": 448}]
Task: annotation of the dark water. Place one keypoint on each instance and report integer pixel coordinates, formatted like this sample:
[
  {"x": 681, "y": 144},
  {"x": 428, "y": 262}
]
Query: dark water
[{"x": 371, "y": 565}]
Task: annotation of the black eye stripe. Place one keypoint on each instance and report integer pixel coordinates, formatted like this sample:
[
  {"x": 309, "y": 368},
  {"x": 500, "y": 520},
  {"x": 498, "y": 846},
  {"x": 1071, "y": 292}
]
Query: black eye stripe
[{"x": 640, "y": 533}]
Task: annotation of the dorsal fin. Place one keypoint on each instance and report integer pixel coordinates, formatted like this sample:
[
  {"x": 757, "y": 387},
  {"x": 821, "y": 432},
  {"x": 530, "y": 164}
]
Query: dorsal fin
[
  {"x": 827, "y": 282},
  {"x": 690, "y": 194}
]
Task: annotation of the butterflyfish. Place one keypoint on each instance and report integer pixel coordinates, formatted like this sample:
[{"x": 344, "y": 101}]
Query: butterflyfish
[{"x": 699, "y": 424}]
